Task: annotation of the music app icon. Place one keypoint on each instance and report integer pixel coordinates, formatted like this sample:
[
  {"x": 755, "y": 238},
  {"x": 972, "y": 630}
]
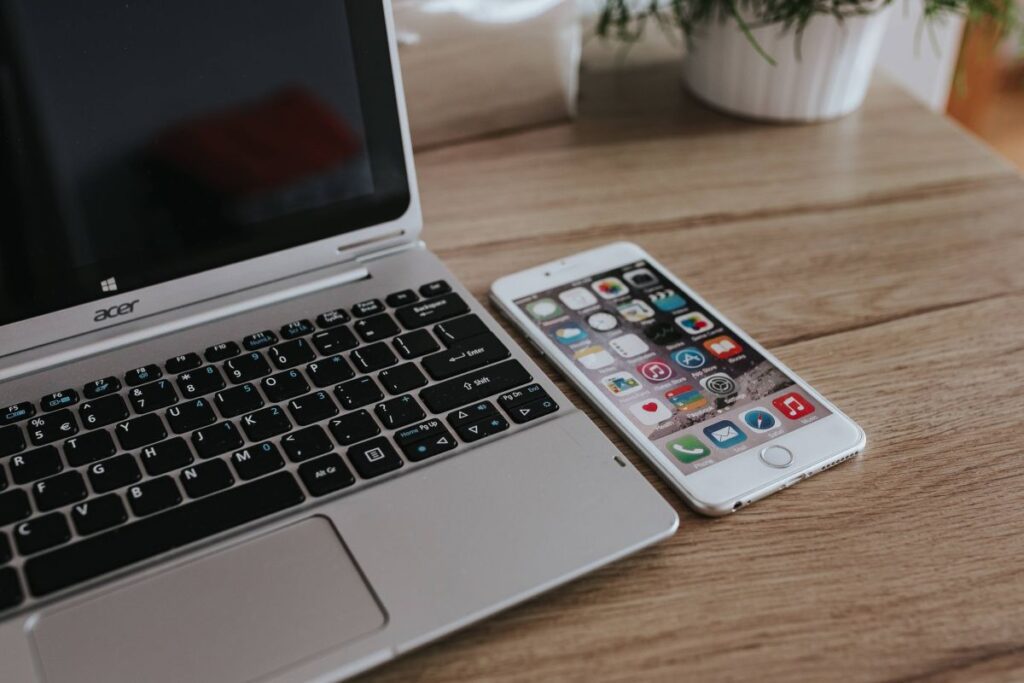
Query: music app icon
[{"x": 793, "y": 405}]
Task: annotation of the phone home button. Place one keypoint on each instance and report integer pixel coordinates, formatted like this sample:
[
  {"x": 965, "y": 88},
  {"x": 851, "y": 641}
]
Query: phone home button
[{"x": 777, "y": 456}]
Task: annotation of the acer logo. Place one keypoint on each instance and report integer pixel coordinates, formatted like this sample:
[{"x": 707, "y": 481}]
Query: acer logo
[{"x": 115, "y": 311}]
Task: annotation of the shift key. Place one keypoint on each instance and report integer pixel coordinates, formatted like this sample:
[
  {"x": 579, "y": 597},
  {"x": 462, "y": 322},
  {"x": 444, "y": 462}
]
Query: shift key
[{"x": 474, "y": 386}]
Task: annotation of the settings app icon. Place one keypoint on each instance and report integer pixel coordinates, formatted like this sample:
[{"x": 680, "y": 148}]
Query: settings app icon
[{"x": 720, "y": 384}]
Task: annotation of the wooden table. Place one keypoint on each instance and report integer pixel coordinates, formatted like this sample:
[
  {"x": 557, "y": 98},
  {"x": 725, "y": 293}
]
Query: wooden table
[{"x": 880, "y": 256}]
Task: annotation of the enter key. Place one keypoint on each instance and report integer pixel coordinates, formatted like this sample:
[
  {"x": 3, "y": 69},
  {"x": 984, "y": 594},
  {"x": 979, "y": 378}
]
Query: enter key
[{"x": 468, "y": 354}]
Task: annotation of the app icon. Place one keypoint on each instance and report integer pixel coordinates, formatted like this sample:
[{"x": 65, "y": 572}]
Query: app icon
[
  {"x": 650, "y": 412},
  {"x": 720, "y": 384},
  {"x": 594, "y": 357},
  {"x": 724, "y": 434},
  {"x": 603, "y": 322},
  {"x": 759, "y": 420},
  {"x": 570, "y": 335},
  {"x": 662, "y": 333},
  {"x": 640, "y": 278},
  {"x": 688, "y": 448},
  {"x": 610, "y": 288},
  {"x": 544, "y": 309},
  {"x": 634, "y": 311},
  {"x": 577, "y": 298},
  {"x": 686, "y": 398},
  {"x": 694, "y": 323},
  {"x": 690, "y": 358},
  {"x": 621, "y": 384},
  {"x": 629, "y": 346},
  {"x": 655, "y": 370},
  {"x": 723, "y": 347},
  {"x": 793, "y": 405},
  {"x": 668, "y": 300}
]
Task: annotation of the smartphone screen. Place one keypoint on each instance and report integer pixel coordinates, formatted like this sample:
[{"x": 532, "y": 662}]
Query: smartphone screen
[{"x": 687, "y": 381}]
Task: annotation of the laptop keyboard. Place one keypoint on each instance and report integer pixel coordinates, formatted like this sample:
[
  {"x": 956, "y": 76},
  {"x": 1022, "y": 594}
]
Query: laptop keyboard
[{"x": 99, "y": 477}]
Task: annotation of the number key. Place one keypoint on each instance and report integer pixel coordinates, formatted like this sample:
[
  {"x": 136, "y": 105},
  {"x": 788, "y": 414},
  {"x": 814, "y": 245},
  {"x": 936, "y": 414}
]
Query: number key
[
  {"x": 291, "y": 353},
  {"x": 46, "y": 428},
  {"x": 102, "y": 412},
  {"x": 248, "y": 367},
  {"x": 199, "y": 382},
  {"x": 152, "y": 396}
]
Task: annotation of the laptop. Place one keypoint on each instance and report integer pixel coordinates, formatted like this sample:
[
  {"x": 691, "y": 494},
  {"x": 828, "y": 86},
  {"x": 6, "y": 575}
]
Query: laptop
[{"x": 250, "y": 427}]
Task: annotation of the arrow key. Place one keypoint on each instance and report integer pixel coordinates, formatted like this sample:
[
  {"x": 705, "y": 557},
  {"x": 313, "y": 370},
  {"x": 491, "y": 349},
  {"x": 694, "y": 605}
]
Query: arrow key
[
  {"x": 430, "y": 446},
  {"x": 482, "y": 429},
  {"x": 532, "y": 410}
]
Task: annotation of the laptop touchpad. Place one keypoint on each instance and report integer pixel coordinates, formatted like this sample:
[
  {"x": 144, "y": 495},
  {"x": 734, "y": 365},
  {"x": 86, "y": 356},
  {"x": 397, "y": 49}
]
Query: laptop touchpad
[{"x": 232, "y": 616}]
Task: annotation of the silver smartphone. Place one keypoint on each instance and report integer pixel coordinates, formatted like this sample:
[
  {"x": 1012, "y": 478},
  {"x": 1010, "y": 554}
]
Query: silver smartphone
[{"x": 720, "y": 418}]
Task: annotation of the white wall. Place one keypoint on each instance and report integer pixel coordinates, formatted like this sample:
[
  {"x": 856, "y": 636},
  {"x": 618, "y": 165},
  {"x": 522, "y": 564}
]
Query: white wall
[{"x": 921, "y": 63}]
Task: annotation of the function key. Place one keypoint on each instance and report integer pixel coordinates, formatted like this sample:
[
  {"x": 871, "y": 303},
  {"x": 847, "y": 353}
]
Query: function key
[
  {"x": 102, "y": 387},
  {"x": 436, "y": 288},
  {"x": 299, "y": 328},
  {"x": 219, "y": 352},
  {"x": 16, "y": 413},
  {"x": 365, "y": 308},
  {"x": 332, "y": 318},
  {"x": 142, "y": 375},
  {"x": 11, "y": 440},
  {"x": 183, "y": 363},
  {"x": 406, "y": 296},
  {"x": 58, "y": 400},
  {"x": 259, "y": 340}
]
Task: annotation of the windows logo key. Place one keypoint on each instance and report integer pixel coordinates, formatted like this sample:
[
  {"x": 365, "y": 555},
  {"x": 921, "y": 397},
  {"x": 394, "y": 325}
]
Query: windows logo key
[{"x": 109, "y": 285}]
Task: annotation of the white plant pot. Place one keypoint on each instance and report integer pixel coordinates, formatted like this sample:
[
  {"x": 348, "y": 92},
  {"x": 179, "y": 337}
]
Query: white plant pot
[{"x": 826, "y": 79}]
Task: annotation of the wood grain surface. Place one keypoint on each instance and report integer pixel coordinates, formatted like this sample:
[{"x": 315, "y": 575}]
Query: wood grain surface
[{"x": 880, "y": 256}]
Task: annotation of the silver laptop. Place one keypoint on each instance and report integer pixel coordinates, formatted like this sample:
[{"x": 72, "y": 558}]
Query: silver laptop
[{"x": 251, "y": 429}]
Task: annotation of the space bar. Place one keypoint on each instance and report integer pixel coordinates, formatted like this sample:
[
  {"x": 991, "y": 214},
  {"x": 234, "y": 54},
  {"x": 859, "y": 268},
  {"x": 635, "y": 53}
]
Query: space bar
[{"x": 157, "y": 534}]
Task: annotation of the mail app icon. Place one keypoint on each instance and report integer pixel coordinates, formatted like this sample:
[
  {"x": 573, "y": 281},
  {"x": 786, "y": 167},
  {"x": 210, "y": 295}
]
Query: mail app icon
[{"x": 725, "y": 434}]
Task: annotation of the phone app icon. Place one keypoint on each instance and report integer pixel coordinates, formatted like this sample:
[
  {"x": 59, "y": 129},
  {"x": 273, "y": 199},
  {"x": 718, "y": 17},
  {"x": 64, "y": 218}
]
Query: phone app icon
[
  {"x": 689, "y": 358},
  {"x": 719, "y": 383},
  {"x": 594, "y": 358},
  {"x": 650, "y": 412},
  {"x": 544, "y": 309},
  {"x": 723, "y": 346},
  {"x": 724, "y": 434},
  {"x": 694, "y": 323},
  {"x": 629, "y": 346},
  {"x": 687, "y": 448},
  {"x": 668, "y": 300},
  {"x": 602, "y": 321},
  {"x": 793, "y": 405},
  {"x": 577, "y": 298},
  {"x": 759, "y": 420},
  {"x": 640, "y": 278},
  {"x": 621, "y": 384},
  {"x": 570, "y": 335},
  {"x": 655, "y": 370},
  {"x": 635, "y": 311},
  {"x": 610, "y": 288},
  {"x": 686, "y": 398}
]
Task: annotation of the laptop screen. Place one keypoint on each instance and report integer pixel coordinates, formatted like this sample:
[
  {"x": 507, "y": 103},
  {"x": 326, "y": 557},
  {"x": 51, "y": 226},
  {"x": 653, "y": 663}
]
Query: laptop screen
[{"x": 148, "y": 140}]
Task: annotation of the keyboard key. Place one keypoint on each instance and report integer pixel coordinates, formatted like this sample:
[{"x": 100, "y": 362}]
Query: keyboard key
[
  {"x": 265, "y": 423},
  {"x": 291, "y": 353},
  {"x": 59, "y": 491},
  {"x": 532, "y": 410},
  {"x": 160, "y": 533},
  {"x": 510, "y": 399},
  {"x": 43, "y": 429},
  {"x": 461, "y": 328},
  {"x": 431, "y": 311},
  {"x": 259, "y": 340},
  {"x": 364, "y": 309},
  {"x": 415, "y": 344},
  {"x": 11, "y": 594},
  {"x": 5, "y": 550},
  {"x": 486, "y": 427},
  {"x": 354, "y": 427},
  {"x": 299, "y": 328},
  {"x": 332, "y": 318},
  {"x": 103, "y": 411},
  {"x": 101, "y": 387},
  {"x": 35, "y": 464},
  {"x": 58, "y": 400},
  {"x": 140, "y": 432},
  {"x": 153, "y": 496},
  {"x": 358, "y": 393},
  {"x": 435, "y": 288},
  {"x": 406, "y": 296},
  {"x": 474, "y": 386},
  {"x": 284, "y": 385},
  {"x": 402, "y": 378},
  {"x": 41, "y": 533},
  {"x": 374, "y": 457},
  {"x": 98, "y": 514},
  {"x": 113, "y": 473},
  {"x": 12, "y": 440},
  {"x": 473, "y": 413},
  {"x": 430, "y": 446},
  {"x": 376, "y": 328},
  {"x": 223, "y": 351},
  {"x": 166, "y": 456},
  {"x": 238, "y": 400},
  {"x": 206, "y": 478},
  {"x": 334, "y": 341},
  {"x": 399, "y": 412},
  {"x": 255, "y": 461},
  {"x": 330, "y": 371},
  {"x": 183, "y": 363},
  {"x": 373, "y": 357},
  {"x": 190, "y": 415},
  {"x": 306, "y": 443},
  {"x": 16, "y": 413},
  {"x": 216, "y": 439},
  {"x": 153, "y": 396},
  {"x": 200, "y": 382},
  {"x": 463, "y": 356},
  {"x": 14, "y": 506},
  {"x": 248, "y": 367},
  {"x": 3, "y": 479},
  {"x": 142, "y": 375},
  {"x": 325, "y": 475},
  {"x": 89, "y": 447},
  {"x": 315, "y": 407}
]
